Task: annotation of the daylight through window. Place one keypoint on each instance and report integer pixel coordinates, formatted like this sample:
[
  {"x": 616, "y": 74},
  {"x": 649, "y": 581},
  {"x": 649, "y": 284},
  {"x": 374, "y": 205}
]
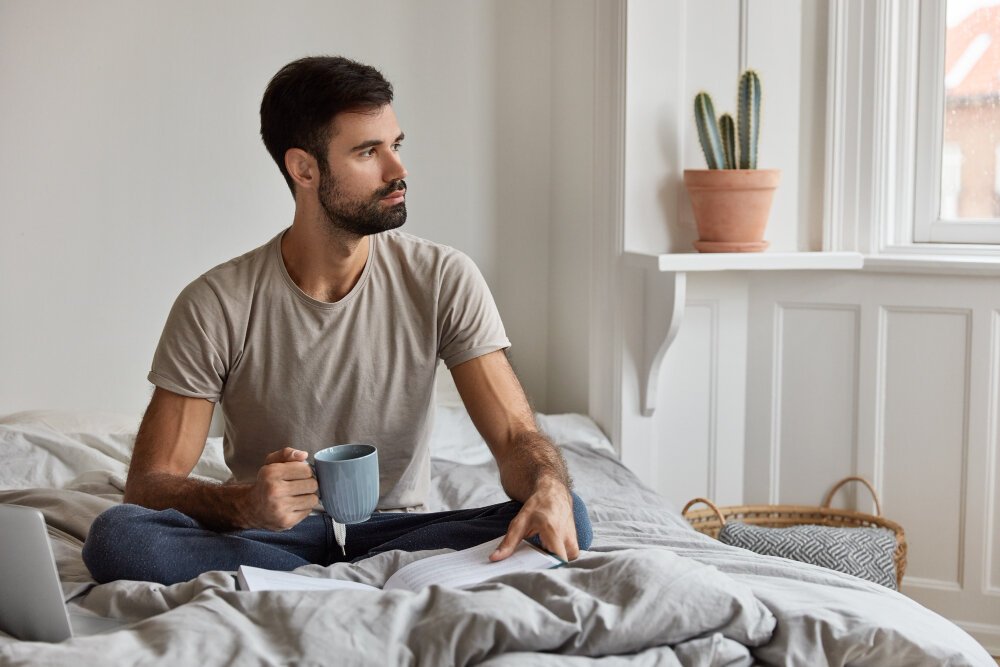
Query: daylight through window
[{"x": 970, "y": 168}]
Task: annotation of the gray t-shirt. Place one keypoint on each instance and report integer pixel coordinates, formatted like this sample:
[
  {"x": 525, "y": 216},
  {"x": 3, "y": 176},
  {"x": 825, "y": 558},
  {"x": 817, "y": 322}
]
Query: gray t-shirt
[{"x": 293, "y": 371}]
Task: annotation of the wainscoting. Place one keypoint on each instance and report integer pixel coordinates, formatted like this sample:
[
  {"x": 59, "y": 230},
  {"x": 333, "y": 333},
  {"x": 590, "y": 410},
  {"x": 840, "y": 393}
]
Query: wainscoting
[
  {"x": 778, "y": 384},
  {"x": 897, "y": 378}
]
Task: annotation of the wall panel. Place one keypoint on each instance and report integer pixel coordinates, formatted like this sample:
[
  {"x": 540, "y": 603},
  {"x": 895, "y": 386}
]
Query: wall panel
[
  {"x": 815, "y": 393},
  {"x": 695, "y": 439},
  {"x": 689, "y": 446},
  {"x": 923, "y": 444}
]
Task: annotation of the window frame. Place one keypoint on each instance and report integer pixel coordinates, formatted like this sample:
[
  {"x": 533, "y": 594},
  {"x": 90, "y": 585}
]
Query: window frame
[{"x": 885, "y": 129}]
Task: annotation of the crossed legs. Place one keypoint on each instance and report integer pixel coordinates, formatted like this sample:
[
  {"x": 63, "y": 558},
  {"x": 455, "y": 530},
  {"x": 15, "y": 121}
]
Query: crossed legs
[{"x": 167, "y": 546}]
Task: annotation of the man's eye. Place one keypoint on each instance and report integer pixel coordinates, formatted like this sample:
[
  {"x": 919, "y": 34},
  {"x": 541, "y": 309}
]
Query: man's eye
[
  {"x": 368, "y": 153},
  {"x": 397, "y": 146}
]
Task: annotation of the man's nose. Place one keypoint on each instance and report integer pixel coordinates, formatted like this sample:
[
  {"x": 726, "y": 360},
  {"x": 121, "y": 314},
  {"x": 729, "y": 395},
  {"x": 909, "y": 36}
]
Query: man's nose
[{"x": 394, "y": 169}]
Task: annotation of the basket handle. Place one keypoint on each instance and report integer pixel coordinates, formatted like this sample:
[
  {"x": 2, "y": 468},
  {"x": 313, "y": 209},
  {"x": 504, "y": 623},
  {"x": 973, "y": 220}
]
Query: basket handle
[
  {"x": 854, "y": 478},
  {"x": 695, "y": 501}
]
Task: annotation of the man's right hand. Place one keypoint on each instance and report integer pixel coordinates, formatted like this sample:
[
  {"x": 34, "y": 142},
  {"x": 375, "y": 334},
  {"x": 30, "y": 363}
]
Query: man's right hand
[{"x": 284, "y": 493}]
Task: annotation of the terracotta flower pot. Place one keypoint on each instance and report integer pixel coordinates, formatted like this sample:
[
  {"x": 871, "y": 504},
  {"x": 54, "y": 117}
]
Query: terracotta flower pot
[{"x": 731, "y": 207}]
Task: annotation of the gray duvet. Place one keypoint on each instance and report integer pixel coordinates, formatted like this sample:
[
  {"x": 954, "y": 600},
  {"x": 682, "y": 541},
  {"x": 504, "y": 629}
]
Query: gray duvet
[{"x": 651, "y": 591}]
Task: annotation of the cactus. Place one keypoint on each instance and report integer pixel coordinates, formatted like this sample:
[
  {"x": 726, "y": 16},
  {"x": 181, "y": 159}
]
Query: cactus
[
  {"x": 708, "y": 131},
  {"x": 728, "y": 130},
  {"x": 717, "y": 138},
  {"x": 749, "y": 118}
]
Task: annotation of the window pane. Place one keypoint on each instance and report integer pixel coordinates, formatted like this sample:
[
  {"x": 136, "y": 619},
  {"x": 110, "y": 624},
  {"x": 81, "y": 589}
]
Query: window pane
[
  {"x": 969, "y": 169},
  {"x": 951, "y": 180}
]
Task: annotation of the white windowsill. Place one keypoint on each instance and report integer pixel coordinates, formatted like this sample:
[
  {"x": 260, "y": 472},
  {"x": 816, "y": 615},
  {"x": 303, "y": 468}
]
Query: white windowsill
[
  {"x": 955, "y": 265},
  {"x": 744, "y": 261},
  {"x": 904, "y": 262}
]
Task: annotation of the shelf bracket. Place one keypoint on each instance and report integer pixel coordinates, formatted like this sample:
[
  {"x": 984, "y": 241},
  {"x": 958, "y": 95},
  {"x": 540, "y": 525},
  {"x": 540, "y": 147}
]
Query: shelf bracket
[
  {"x": 665, "y": 293},
  {"x": 664, "y": 286}
]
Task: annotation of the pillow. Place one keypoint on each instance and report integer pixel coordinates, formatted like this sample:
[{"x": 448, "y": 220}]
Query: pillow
[
  {"x": 50, "y": 448},
  {"x": 75, "y": 421},
  {"x": 445, "y": 392},
  {"x": 454, "y": 437},
  {"x": 573, "y": 427},
  {"x": 863, "y": 552}
]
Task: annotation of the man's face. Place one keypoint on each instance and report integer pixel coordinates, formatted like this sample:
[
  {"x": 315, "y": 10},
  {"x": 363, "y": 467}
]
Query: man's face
[{"x": 361, "y": 185}]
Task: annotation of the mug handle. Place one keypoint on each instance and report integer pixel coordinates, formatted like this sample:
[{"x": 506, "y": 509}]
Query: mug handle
[{"x": 312, "y": 466}]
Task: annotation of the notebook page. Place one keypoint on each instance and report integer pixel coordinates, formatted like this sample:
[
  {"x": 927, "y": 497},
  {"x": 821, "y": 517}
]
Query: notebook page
[
  {"x": 469, "y": 566},
  {"x": 257, "y": 579}
]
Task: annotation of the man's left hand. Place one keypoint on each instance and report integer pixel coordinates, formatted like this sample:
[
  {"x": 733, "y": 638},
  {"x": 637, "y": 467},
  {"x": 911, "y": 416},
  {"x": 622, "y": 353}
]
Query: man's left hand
[{"x": 548, "y": 513}]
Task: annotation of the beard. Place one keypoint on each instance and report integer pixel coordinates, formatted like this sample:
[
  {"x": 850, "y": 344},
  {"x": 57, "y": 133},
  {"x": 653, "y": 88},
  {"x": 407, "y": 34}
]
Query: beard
[{"x": 361, "y": 217}]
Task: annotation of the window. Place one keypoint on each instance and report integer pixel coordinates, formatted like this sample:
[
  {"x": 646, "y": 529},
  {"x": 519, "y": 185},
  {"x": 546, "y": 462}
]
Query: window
[
  {"x": 913, "y": 128},
  {"x": 969, "y": 95}
]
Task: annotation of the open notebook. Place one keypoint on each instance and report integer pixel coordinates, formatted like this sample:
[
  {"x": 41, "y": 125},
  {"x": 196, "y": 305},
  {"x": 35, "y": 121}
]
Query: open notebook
[{"x": 459, "y": 569}]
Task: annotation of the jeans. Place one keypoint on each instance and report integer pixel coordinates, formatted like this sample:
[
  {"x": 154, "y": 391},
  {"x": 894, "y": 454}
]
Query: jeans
[{"x": 167, "y": 546}]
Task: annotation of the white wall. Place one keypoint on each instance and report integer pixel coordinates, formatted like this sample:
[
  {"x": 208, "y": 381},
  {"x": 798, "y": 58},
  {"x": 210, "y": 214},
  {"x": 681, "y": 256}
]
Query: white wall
[
  {"x": 132, "y": 162},
  {"x": 675, "y": 50},
  {"x": 572, "y": 164}
]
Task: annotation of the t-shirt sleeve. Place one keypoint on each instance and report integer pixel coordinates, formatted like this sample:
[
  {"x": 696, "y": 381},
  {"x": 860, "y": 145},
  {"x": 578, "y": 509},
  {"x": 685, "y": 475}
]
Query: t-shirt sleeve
[
  {"x": 469, "y": 323},
  {"x": 191, "y": 357}
]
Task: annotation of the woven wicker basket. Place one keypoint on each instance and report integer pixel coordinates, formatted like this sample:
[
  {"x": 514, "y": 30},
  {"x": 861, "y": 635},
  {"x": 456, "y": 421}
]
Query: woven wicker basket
[{"x": 710, "y": 521}]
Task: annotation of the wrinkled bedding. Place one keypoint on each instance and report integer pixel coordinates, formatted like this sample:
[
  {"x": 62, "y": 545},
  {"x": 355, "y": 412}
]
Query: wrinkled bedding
[{"x": 651, "y": 591}]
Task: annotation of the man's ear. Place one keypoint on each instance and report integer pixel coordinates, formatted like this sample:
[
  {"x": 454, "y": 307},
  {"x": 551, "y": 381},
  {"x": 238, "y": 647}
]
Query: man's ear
[{"x": 303, "y": 168}]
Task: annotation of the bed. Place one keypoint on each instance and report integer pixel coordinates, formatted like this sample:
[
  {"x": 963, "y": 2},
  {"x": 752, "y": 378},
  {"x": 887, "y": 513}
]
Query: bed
[{"x": 650, "y": 591}]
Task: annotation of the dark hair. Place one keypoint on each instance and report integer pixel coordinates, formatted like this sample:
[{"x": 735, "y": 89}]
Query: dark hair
[{"x": 302, "y": 99}]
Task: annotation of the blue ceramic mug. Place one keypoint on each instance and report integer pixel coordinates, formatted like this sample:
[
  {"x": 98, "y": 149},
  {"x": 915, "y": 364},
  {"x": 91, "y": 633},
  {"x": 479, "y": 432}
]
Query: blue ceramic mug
[{"x": 348, "y": 481}]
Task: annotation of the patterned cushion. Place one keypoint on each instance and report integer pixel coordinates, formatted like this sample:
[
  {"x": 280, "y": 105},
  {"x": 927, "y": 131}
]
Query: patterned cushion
[{"x": 863, "y": 552}]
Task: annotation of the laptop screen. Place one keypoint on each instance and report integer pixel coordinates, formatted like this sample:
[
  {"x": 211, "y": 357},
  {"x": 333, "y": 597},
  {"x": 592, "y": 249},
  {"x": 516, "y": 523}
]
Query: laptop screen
[{"x": 31, "y": 599}]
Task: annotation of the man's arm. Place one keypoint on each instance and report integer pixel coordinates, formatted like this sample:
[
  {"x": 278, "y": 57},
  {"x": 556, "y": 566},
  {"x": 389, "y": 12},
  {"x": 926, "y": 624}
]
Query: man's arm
[
  {"x": 170, "y": 441},
  {"x": 532, "y": 470}
]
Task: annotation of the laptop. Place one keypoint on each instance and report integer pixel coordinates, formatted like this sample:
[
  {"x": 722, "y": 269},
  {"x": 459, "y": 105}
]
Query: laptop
[{"x": 31, "y": 599}]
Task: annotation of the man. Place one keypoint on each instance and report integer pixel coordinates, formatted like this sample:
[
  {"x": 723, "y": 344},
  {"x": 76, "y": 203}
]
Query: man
[{"x": 328, "y": 334}]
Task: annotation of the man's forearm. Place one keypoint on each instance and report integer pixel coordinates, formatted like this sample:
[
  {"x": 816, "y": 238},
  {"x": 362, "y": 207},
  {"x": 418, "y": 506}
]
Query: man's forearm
[
  {"x": 531, "y": 462},
  {"x": 215, "y": 506}
]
